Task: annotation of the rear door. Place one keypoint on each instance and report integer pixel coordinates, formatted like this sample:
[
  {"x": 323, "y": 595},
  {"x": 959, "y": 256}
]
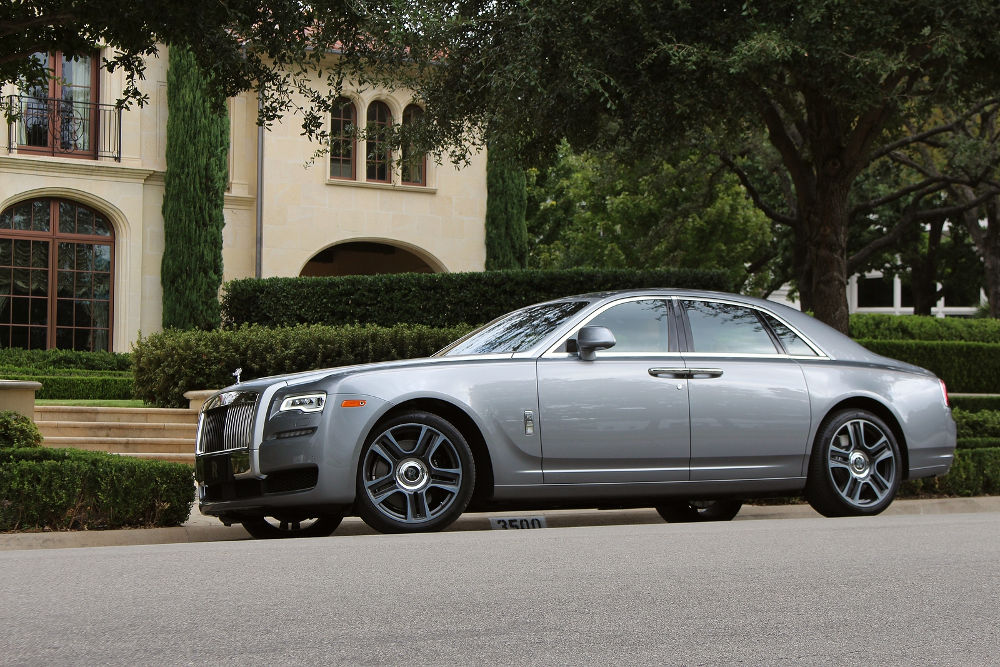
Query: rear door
[{"x": 750, "y": 413}]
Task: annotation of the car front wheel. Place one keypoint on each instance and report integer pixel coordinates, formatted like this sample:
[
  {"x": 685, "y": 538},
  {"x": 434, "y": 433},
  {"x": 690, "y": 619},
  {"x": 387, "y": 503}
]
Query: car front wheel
[
  {"x": 416, "y": 475},
  {"x": 856, "y": 467},
  {"x": 685, "y": 511}
]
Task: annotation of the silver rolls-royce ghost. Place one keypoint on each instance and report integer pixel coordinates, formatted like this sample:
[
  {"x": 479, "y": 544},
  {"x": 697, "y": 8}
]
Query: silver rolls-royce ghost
[{"x": 686, "y": 401}]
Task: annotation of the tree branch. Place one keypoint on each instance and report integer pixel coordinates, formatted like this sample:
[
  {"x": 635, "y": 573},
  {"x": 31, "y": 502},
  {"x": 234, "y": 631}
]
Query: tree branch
[{"x": 758, "y": 201}]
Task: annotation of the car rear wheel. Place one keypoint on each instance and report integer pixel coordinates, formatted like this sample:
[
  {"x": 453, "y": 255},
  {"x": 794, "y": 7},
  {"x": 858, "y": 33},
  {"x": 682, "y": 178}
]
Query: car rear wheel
[
  {"x": 685, "y": 511},
  {"x": 269, "y": 528},
  {"x": 856, "y": 467},
  {"x": 416, "y": 475}
]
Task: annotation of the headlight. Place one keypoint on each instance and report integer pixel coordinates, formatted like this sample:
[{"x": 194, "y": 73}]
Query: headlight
[{"x": 304, "y": 403}]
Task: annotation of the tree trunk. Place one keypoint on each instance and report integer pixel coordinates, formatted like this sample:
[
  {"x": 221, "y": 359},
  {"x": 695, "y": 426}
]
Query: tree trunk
[
  {"x": 991, "y": 257},
  {"x": 924, "y": 271},
  {"x": 826, "y": 270}
]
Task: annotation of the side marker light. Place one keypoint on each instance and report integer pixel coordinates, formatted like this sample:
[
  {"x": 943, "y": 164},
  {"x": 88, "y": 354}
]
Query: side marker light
[{"x": 353, "y": 404}]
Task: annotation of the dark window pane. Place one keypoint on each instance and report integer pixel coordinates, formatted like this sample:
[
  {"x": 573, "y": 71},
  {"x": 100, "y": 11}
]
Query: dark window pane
[
  {"x": 5, "y": 284},
  {"x": 4, "y": 336},
  {"x": 101, "y": 226},
  {"x": 84, "y": 257},
  {"x": 40, "y": 255},
  {"x": 102, "y": 258},
  {"x": 19, "y": 311},
  {"x": 39, "y": 283},
  {"x": 84, "y": 221},
  {"x": 726, "y": 328},
  {"x": 39, "y": 338},
  {"x": 791, "y": 342},
  {"x": 66, "y": 255},
  {"x": 81, "y": 311},
  {"x": 875, "y": 292},
  {"x": 22, "y": 216},
  {"x": 5, "y": 219},
  {"x": 67, "y": 218},
  {"x": 40, "y": 215},
  {"x": 39, "y": 311},
  {"x": 21, "y": 282},
  {"x": 83, "y": 286},
  {"x": 64, "y": 339},
  {"x": 19, "y": 337},
  {"x": 4, "y": 310},
  {"x": 65, "y": 287},
  {"x": 64, "y": 313},
  {"x": 638, "y": 326},
  {"x": 102, "y": 340},
  {"x": 6, "y": 252},
  {"x": 22, "y": 253},
  {"x": 101, "y": 312},
  {"x": 82, "y": 339},
  {"x": 102, "y": 286}
]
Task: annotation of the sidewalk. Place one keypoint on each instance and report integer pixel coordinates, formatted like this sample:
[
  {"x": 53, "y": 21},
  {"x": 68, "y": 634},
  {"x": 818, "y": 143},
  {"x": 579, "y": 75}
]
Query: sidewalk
[{"x": 201, "y": 528}]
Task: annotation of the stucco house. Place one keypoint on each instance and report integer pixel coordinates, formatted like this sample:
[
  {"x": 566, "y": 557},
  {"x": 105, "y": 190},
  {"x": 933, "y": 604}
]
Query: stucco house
[{"x": 81, "y": 190}]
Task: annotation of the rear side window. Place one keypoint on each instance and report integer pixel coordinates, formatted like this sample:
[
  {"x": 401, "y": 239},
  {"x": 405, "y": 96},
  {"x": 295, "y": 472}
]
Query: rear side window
[
  {"x": 727, "y": 329},
  {"x": 791, "y": 341}
]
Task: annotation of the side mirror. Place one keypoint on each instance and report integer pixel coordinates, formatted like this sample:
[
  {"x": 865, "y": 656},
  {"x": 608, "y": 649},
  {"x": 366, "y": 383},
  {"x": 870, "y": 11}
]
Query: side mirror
[{"x": 591, "y": 339}]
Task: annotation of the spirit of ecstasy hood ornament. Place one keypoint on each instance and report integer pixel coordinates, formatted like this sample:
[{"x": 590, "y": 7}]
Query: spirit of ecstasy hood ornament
[{"x": 237, "y": 373}]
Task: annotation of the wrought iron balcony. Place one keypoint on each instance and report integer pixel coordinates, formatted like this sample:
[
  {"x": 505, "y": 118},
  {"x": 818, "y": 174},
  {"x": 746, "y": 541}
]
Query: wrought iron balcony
[{"x": 53, "y": 126}]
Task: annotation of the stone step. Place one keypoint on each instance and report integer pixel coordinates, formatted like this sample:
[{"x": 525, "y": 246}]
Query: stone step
[
  {"x": 125, "y": 445},
  {"x": 112, "y": 430},
  {"x": 126, "y": 415}
]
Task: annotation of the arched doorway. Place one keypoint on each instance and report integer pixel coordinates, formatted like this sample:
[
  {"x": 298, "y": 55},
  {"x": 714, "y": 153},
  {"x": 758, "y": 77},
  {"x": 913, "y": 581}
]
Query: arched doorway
[
  {"x": 364, "y": 258},
  {"x": 56, "y": 275}
]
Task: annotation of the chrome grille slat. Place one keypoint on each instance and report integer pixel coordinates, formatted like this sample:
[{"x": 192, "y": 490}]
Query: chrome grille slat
[{"x": 227, "y": 423}]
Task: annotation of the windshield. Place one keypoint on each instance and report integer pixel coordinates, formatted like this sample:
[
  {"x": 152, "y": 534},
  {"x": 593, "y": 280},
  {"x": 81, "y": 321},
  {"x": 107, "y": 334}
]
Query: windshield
[{"x": 515, "y": 331}]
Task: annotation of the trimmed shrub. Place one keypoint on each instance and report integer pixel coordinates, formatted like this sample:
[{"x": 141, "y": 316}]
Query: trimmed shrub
[
  {"x": 169, "y": 363},
  {"x": 16, "y": 430},
  {"x": 64, "y": 489},
  {"x": 982, "y": 424},
  {"x": 974, "y": 403},
  {"x": 431, "y": 299},
  {"x": 978, "y": 443},
  {"x": 79, "y": 384},
  {"x": 39, "y": 359},
  {"x": 921, "y": 327},
  {"x": 975, "y": 472},
  {"x": 965, "y": 367}
]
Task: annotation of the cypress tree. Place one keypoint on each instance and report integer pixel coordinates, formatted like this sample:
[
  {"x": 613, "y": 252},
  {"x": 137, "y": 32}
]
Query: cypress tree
[
  {"x": 506, "y": 201},
  {"x": 193, "y": 197}
]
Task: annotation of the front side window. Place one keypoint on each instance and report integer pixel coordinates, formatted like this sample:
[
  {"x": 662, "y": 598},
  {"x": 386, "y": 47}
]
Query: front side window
[
  {"x": 379, "y": 155},
  {"x": 61, "y": 118},
  {"x": 725, "y": 328},
  {"x": 414, "y": 169},
  {"x": 638, "y": 326},
  {"x": 515, "y": 331},
  {"x": 56, "y": 273},
  {"x": 342, "y": 124}
]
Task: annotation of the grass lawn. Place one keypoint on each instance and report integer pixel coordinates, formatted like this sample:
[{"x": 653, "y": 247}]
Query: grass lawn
[{"x": 91, "y": 402}]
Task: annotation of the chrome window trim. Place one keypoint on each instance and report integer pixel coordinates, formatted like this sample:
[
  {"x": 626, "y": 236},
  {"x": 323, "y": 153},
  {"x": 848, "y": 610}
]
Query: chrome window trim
[{"x": 551, "y": 353}]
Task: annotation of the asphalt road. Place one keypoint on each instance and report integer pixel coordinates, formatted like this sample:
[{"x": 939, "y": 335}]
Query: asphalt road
[{"x": 888, "y": 590}]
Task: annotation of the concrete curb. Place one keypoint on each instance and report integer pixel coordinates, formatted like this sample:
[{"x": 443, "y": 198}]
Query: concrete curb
[{"x": 201, "y": 528}]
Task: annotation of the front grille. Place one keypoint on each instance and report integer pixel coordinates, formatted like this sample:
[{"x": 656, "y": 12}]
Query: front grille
[{"x": 227, "y": 422}]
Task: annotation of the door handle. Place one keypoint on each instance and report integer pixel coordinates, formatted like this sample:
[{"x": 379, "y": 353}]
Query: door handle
[
  {"x": 670, "y": 372},
  {"x": 705, "y": 372}
]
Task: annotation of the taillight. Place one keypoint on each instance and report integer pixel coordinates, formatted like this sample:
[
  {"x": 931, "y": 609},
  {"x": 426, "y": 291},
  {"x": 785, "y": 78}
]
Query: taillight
[{"x": 944, "y": 392}]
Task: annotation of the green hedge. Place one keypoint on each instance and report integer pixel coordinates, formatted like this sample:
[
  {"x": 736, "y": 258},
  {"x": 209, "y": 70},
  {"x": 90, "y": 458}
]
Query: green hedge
[
  {"x": 39, "y": 359},
  {"x": 974, "y": 403},
  {"x": 965, "y": 367},
  {"x": 169, "y": 363},
  {"x": 978, "y": 443},
  {"x": 16, "y": 430},
  {"x": 432, "y": 299},
  {"x": 921, "y": 327},
  {"x": 64, "y": 489},
  {"x": 982, "y": 424},
  {"x": 79, "y": 384},
  {"x": 975, "y": 472}
]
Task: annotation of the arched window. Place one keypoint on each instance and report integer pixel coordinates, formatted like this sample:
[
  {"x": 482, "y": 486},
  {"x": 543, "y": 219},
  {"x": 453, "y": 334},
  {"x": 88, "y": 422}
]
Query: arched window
[
  {"x": 343, "y": 122},
  {"x": 56, "y": 276},
  {"x": 414, "y": 169},
  {"x": 379, "y": 158}
]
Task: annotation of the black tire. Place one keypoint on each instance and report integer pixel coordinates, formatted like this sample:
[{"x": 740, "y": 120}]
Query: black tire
[
  {"x": 416, "y": 474},
  {"x": 686, "y": 511},
  {"x": 855, "y": 468},
  {"x": 271, "y": 528}
]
